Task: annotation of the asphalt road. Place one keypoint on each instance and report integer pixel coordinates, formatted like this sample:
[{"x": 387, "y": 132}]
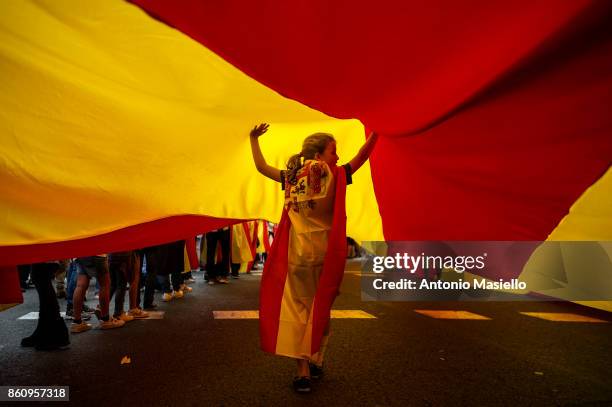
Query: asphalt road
[{"x": 400, "y": 358}]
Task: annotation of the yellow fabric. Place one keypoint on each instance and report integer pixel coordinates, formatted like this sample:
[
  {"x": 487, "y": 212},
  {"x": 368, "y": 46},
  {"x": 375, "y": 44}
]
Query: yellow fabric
[
  {"x": 590, "y": 217},
  {"x": 586, "y": 269},
  {"x": 262, "y": 233},
  {"x": 310, "y": 211},
  {"x": 110, "y": 119},
  {"x": 186, "y": 263},
  {"x": 241, "y": 251}
]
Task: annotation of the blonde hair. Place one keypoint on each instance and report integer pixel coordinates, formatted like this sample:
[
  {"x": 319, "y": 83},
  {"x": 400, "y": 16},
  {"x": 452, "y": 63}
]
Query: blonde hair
[{"x": 313, "y": 144}]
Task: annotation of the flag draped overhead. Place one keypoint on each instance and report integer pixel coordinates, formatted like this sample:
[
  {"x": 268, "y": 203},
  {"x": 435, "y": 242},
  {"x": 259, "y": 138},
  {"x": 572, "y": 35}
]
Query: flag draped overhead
[{"x": 496, "y": 114}]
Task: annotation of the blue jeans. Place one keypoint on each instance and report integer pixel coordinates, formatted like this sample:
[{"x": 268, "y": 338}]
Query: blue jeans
[{"x": 71, "y": 281}]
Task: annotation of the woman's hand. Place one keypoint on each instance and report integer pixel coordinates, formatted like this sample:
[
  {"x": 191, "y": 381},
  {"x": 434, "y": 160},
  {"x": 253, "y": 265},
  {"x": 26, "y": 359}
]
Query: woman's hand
[
  {"x": 258, "y": 158},
  {"x": 364, "y": 152},
  {"x": 259, "y": 130}
]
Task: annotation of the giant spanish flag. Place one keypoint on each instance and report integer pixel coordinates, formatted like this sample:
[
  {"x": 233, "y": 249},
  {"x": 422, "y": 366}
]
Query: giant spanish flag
[{"x": 125, "y": 125}]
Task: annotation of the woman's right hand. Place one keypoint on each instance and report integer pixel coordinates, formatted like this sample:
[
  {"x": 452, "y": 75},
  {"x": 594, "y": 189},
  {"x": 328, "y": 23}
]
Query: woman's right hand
[{"x": 259, "y": 130}]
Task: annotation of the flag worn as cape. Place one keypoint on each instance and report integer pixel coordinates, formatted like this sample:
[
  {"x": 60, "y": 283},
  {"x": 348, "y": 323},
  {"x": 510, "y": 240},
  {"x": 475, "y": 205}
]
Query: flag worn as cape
[{"x": 275, "y": 274}]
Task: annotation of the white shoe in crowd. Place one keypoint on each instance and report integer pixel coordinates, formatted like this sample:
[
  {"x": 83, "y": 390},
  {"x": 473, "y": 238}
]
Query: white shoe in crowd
[
  {"x": 137, "y": 313},
  {"x": 167, "y": 297},
  {"x": 78, "y": 328},
  {"x": 111, "y": 323},
  {"x": 190, "y": 281},
  {"x": 125, "y": 317},
  {"x": 186, "y": 289},
  {"x": 178, "y": 294}
]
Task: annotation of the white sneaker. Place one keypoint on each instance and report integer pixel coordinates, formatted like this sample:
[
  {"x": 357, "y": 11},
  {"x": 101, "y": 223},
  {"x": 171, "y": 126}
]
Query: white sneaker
[
  {"x": 125, "y": 317},
  {"x": 78, "y": 328},
  {"x": 137, "y": 313},
  {"x": 186, "y": 289},
  {"x": 190, "y": 281},
  {"x": 178, "y": 294},
  {"x": 167, "y": 297},
  {"x": 111, "y": 323}
]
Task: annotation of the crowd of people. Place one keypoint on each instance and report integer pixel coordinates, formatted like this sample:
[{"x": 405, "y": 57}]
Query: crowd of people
[{"x": 164, "y": 269}]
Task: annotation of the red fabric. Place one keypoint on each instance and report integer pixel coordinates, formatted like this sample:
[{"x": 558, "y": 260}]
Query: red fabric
[
  {"x": 252, "y": 242},
  {"x": 133, "y": 237},
  {"x": 272, "y": 286},
  {"x": 192, "y": 253},
  {"x": 496, "y": 114},
  {"x": 266, "y": 237},
  {"x": 333, "y": 264},
  {"x": 275, "y": 274},
  {"x": 10, "y": 289}
]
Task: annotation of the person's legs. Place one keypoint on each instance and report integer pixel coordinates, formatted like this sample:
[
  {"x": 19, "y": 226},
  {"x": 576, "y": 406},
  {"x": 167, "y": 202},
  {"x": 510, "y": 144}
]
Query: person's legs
[
  {"x": 60, "y": 275},
  {"x": 121, "y": 287},
  {"x": 211, "y": 249},
  {"x": 79, "y": 296},
  {"x": 134, "y": 291},
  {"x": 224, "y": 268},
  {"x": 71, "y": 279},
  {"x": 177, "y": 280},
  {"x": 135, "y": 282},
  {"x": 24, "y": 275},
  {"x": 164, "y": 281},
  {"x": 176, "y": 264},
  {"x": 103, "y": 277},
  {"x": 301, "y": 382},
  {"x": 151, "y": 262},
  {"x": 51, "y": 332},
  {"x": 302, "y": 368},
  {"x": 235, "y": 270}
]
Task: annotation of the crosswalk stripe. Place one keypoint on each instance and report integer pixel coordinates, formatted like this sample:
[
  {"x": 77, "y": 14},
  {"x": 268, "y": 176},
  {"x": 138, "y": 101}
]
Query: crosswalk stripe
[
  {"x": 563, "y": 317},
  {"x": 254, "y": 314},
  {"x": 450, "y": 314}
]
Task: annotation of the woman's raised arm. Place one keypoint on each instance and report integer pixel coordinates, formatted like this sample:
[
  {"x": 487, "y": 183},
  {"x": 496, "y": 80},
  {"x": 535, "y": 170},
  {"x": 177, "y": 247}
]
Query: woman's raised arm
[
  {"x": 258, "y": 158},
  {"x": 364, "y": 152}
]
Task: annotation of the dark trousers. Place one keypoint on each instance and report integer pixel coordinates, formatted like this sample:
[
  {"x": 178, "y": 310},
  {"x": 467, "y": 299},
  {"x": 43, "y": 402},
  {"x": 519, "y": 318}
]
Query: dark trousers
[
  {"x": 235, "y": 269},
  {"x": 51, "y": 326},
  {"x": 176, "y": 263},
  {"x": 220, "y": 269},
  {"x": 119, "y": 266},
  {"x": 154, "y": 258},
  {"x": 24, "y": 274}
]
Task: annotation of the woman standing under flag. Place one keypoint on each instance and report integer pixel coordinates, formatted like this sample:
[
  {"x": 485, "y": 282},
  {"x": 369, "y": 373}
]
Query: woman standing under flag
[{"x": 306, "y": 262}]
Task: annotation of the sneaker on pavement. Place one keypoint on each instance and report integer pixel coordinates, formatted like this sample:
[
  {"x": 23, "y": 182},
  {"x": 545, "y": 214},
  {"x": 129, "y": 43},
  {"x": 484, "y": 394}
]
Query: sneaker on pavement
[
  {"x": 186, "y": 289},
  {"x": 167, "y": 297},
  {"x": 125, "y": 317},
  {"x": 190, "y": 281},
  {"x": 70, "y": 315},
  {"x": 137, "y": 313},
  {"x": 210, "y": 282},
  {"x": 78, "y": 328},
  {"x": 111, "y": 323},
  {"x": 316, "y": 372},
  {"x": 222, "y": 280},
  {"x": 178, "y": 294},
  {"x": 301, "y": 384},
  {"x": 87, "y": 309}
]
